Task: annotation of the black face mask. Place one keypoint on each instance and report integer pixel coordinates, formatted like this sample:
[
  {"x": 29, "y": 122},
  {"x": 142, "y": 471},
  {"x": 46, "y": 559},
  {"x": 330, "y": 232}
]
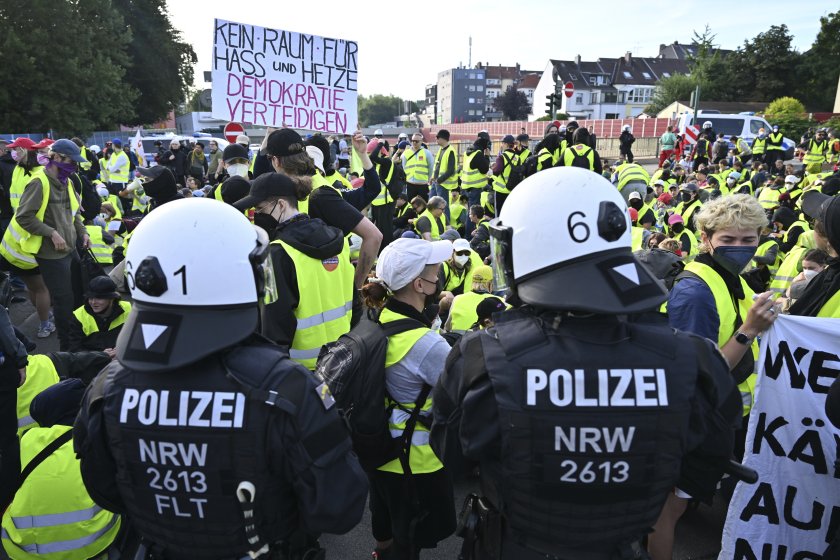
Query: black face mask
[
  {"x": 265, "y": 221},
  {"x": 636, "y": 203},
  {"x": 685, "y": 196},
  {"x": 678, "y": 228}
]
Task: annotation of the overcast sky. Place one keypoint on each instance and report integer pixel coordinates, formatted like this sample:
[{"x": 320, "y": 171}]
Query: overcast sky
[{"x": 403, "y": 45}]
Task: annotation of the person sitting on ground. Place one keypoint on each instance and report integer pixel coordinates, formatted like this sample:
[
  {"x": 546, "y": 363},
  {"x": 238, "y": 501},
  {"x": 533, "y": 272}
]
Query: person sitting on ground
[
  {"x": 485, "y": 310},
  {"x": 96, "y": 324},
  {"x": 462, "y": 315}
]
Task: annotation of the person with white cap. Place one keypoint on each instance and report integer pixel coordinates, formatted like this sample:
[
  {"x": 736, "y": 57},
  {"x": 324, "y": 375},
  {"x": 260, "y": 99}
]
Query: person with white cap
[
  {"x": 407, "y": 516},
  {"x": 456, "y": 271},
  {"x": 519, "y": 399}
]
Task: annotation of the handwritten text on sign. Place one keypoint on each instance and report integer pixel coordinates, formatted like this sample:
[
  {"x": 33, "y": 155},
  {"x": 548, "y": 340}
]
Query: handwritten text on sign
[{"x": 271, "y": 77}]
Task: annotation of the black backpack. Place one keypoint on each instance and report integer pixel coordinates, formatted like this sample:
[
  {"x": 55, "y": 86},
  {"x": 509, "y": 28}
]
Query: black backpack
[
  {"x": 580, "y": 160},
  {"x": 517, "y": 174},
  {"x": 530, "y": 166},
  {"x": 353, "y": 367}
]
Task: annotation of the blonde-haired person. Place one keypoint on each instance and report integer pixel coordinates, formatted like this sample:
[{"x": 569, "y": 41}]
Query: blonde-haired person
[{"x": 710, "y": 299}]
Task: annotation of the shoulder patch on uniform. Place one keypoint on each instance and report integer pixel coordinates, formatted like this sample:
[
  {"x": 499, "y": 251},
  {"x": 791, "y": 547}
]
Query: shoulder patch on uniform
[{"x": 324, "y": 394}]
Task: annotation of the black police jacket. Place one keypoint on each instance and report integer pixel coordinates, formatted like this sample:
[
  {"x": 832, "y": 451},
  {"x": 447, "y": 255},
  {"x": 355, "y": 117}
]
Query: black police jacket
[
  {"x": 581, "y": 426},
  {"x": 171, "y": 450}
]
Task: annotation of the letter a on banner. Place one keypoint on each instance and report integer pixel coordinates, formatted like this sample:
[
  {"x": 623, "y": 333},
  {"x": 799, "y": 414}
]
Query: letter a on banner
[
  {"x": 788, "y": 513},
  {"x": 271, "y": 77}
]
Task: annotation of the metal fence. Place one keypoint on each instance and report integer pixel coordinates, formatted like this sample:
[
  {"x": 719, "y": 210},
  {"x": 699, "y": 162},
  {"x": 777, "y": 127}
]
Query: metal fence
[{"x": 607, "y": 148}]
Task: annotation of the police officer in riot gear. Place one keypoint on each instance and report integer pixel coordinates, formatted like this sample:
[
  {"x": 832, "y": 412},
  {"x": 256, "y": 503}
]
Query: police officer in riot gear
[
  {"x": 207, "y": 437},
  {"x": 581, "y": 420}
]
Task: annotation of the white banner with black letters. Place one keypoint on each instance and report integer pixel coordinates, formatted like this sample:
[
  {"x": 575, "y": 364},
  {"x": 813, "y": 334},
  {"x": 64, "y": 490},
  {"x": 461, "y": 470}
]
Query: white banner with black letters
[
  {"x": 790, "y": 513},
  {"x": 273, "y": 77}
]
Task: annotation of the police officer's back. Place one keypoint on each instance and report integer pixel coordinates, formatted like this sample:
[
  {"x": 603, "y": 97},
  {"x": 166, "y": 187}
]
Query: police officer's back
[
  {"x": 212, "y": 441},
  {"x": 578, "y": 418}
]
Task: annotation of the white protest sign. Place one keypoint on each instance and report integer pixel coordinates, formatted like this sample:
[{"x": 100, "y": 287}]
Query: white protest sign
[
  {"x": 793, "y": 509},
  {"x": 271, "y": 77}
]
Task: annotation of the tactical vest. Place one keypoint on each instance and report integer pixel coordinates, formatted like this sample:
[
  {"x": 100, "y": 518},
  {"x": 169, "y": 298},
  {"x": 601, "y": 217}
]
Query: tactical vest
[
  {"x": 40, "y": 374},
  {"x": 121, "y": 175},
  {"x": 471, "y": 178},
  {"x": 89, "y": 325},
  {"x": 18, "y": 246},
  {"x": 831, "y": 308},
  {"x": 500, "y": 181},
  {"x": 463, "y": 312},
  {"x": 326, "y": 302},
  {"x": 437, "y": 227},
  {"x": 416, "y": 167},
  {"x": 440, "y": 158},
  {"x": 101, "y": 251},
  {"x": 581, "y": 156},
  {"x": 790, "y": 267},
  {"x": 421, "y": 457},
  {"x": 728, "y": 313},
  {"x": 384, "y": 197},
  {"x": 631, "y": 172},
  {"x": 184, "y": 442},
  {"x": 68, "y": 524},
  {"x": 558, "y": 487},
  {"x": 20, "y": 178}
]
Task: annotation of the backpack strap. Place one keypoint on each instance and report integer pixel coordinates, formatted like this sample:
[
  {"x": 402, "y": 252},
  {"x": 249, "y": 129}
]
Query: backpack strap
[
  {"x": 393, "y": 328},
  {"x": 42, "y": 455}
]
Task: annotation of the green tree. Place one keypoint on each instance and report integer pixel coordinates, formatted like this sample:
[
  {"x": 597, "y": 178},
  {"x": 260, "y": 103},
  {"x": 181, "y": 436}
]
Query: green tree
[
  {"x": 788, "y": 106},
  {"x": 821, "y": 66},
  {"x": 674, "y": 88},
  {"x": 378, "y": 108},
  {"x": 513, "y": 104},
  {"x": 161, "y": 64},
  {"x": 65, "y": 66},
  {"x": 768, "y": 65},
  {"x": 709, "y": 68}
]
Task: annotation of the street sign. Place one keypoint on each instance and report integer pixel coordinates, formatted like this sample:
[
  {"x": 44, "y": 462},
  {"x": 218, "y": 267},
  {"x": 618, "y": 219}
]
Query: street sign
[
  {"x": 568, "y": 89},
  {"x": 232, "y": 130},
  {"x": 691, "y": 133}
]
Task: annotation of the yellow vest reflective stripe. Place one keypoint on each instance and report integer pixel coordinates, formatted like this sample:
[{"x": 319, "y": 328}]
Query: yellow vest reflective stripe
[
  {"x": 580, "y": 150},
  {"x": 121, "y": 175},
  {"x": 816, "y": 152},
  {"x": 727, "y": 314},
  {"x": 67, "y": 524},
  {"x": 101, "y": 251},
  {"x": 759, "y": 146},
  {"x": 421, "y": 458},
  {"x": 509, "y": 159},
  {"x": 435, "y": 231},
  {"x": 18, "y": 246},
  {"x": 471, "y": 178},
  {"x": 831, "y": 308},
  {"x": 416, "y": 166},
  {"x": 637, "y": 236},
  {"x": 463, "y": 311},
  {"x": 769, "y": 198},
  {"x": 791, "y": 266},
  {"x": 384, "y": 196},
  {"x": 692, "y": 242},
  {"x": 89, "y": 325},
  {"x": 762, "y": 250},
  {"x": 775, "y": 141},
  {"x": 19, "y": 181},
  {"x": 326, "y": 302},
  {"x": 40, "y": 374},
  {"x": 441, "y": 158},
  {"x": 630, "y": 172}
]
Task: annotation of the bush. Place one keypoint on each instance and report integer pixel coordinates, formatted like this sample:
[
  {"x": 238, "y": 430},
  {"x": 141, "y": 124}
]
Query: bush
[{"x": 785, "y": 106}]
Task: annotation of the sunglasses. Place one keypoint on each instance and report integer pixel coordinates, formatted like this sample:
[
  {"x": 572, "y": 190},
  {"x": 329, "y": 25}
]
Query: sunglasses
[{"x": 463, "y": 253}]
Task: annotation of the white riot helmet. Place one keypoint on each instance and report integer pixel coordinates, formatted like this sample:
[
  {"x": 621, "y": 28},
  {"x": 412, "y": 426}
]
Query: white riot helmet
[
  {"x": 627, "y": 128},
  {"x": 572, "y": 250},
  {"x": 197, "y": 270},
  {"x": 377, "y": 132},
  {"x": 707, "y": 124}
]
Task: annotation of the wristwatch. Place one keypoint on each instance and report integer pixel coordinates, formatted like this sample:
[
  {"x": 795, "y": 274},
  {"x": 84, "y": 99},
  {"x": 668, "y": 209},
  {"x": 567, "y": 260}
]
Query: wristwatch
[{"x": 741, "y": 338}]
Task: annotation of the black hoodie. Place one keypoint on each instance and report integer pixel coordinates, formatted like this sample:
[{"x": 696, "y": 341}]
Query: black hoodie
[{"x": 311, "y": 237}]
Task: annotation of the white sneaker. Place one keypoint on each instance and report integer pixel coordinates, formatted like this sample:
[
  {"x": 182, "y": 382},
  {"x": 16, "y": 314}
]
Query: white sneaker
[{"x": 44, "y": 332}]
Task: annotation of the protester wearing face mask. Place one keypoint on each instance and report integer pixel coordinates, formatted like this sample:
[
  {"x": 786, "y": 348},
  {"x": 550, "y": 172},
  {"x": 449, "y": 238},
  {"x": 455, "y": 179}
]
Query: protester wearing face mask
[
  {"x": 821, "y": 298},
  {"x": 814, "y": 262},
  {"x": 233, "y": 174},
  {"x": 406, "y": 287},
  {"x": 44, "y": 230},
  {"x": 689, "y": 204},
  {"x": 455, "y": 272},
  {"x": 312, "y": 270},
  {"x": 687, "y": 239}
]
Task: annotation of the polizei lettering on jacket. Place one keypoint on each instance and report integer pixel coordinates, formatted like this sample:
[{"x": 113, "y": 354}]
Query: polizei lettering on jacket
[
  {"x": 195, "y": 409},
  {"x": 609, "y": 388}
]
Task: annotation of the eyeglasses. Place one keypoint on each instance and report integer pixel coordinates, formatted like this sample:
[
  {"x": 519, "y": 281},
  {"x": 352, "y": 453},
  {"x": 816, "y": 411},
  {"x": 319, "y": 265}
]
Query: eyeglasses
[
  {"x": 61, "y": 158},
  {"x": 463, "y": 253},
  {"x": 427, "y": 280}
]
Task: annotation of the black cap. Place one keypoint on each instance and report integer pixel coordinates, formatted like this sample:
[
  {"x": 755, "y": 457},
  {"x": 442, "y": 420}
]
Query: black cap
[
  {"x": 442, "y": 133},
  {"x": 267, "y": 185},
  {"x": 488, "y": 306},
  {"x": 162, "y": 184},
  {"x": 102, "y": 287},
  {"x": 523, "y": 137},
  {"x": 283, "y": 142},
  {"x": 234, "y": 151},
  {"x": 508, "y": 139},
  {"x": 323, "y": 144},
  {"x": 58, "y": 404}
]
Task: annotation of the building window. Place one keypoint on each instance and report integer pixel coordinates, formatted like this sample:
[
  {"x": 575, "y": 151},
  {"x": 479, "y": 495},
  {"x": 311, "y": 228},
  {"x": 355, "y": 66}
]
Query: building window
[
  {"x": 579, "y": 99},
  {"x": 480, "y": 100},
  {"x": 611, "y": 116},
  {"x": 479, "y": 113},
  {"x": 472, "y": 88},
  {"x": 471, "y": 76},
  {"x": 646, "y": 75},
  {"x": 627, "y": 74},
  {"x": 479, "y": 88},
  {"x": 593, "y": 98},
  {"x": 593, "y": 80},
  {"x": 639, "y": 95},
  {"x": 666, "y": 74},
  {"x": 471, "y": 100},
  {"x": 481, "y": 75},
  {"x": 610, "y": 97},
  {"x": 472, "y": 112}
]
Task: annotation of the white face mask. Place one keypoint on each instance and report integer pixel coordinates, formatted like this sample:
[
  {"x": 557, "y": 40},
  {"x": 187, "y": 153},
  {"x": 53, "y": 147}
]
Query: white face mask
[
  {"x": 809, "y": 273},
  {"x": 461, "y": 259},
  {"x": 238, "y": 169}
]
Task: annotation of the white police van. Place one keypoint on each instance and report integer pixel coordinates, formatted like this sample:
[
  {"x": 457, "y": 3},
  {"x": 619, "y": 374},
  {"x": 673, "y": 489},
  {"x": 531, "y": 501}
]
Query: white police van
[
  {"x": 166, "y": 139},
  {"x": 742, "y": 125}
]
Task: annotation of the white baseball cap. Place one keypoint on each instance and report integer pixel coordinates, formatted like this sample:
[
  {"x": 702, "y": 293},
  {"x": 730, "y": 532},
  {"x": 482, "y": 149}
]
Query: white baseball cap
[
  {"x": 461, "y": 245},
  {"x": 403, "y": 260},
  {"x": 243, "y": 139},
  {"x": 792, "y": 179},
  {"x": 317, "y": 156},
  {"x": 634, "y": 195}
]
